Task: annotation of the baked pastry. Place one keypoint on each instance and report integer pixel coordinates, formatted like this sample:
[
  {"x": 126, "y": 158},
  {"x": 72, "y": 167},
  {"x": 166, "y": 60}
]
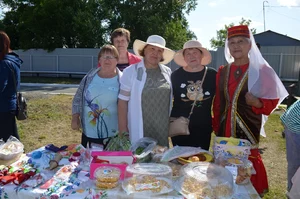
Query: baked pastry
[
  {"x": 106, "y": 185},
  {"x": 194, "y": 159},
  {"x": 107, "y": 174},
  {"x": 148, "y": 183}
]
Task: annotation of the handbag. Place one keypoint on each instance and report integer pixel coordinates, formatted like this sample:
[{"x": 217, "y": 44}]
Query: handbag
[
  {"x": 21, "y": 112},
  {"x": 180, "y": 125}
]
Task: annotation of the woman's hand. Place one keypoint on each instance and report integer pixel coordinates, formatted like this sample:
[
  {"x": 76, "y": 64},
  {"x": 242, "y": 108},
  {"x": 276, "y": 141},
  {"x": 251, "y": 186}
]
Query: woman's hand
[
  {"x": 251, "y": 100},
  {"x": 75, "y": 124}
]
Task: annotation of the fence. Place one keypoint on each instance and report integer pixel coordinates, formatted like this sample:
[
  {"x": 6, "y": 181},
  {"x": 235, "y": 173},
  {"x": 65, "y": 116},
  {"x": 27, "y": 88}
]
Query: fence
[{"x": 80, "y": 61}]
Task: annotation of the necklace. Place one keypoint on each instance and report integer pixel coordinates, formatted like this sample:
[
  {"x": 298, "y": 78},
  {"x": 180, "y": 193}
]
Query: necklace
[{"x": 237, "y": 72}]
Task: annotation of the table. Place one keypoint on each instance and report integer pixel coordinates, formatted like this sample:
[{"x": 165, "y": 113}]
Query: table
[{"x": 78, "y": 185}]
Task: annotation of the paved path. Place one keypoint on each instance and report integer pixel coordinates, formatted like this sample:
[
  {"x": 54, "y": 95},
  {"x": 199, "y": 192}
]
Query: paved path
[{"x": 67, "y": 89}]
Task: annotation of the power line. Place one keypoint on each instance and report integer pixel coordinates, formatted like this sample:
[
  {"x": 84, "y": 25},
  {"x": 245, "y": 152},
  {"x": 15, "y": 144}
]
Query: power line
[
  {"x": 285, "y": 6},
  {"x": 285, "y": 15}
]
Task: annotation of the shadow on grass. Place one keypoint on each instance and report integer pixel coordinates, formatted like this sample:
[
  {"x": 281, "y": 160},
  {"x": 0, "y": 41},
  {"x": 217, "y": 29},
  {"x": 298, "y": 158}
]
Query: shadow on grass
[{"x": 261, "y": 150}]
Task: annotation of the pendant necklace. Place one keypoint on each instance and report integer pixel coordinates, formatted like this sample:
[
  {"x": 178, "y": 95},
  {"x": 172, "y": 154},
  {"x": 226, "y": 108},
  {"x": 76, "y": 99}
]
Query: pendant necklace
[{"x": 237, "y": 72}]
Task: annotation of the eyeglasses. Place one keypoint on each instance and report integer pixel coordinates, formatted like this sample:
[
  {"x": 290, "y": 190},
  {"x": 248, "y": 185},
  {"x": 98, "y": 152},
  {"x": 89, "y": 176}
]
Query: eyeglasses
[{"x": 107, "y": 57}]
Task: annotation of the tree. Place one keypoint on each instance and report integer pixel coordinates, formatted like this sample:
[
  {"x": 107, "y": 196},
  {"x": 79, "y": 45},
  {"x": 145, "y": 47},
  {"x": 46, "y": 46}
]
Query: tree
[
  {"x": 51, "y": 24},
  {"x": 147, "y": 17},
  {"x": 219, "y": 41}
]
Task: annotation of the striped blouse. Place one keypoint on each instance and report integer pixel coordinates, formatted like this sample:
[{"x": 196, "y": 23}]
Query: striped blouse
[{"x": 291, "y": 118}]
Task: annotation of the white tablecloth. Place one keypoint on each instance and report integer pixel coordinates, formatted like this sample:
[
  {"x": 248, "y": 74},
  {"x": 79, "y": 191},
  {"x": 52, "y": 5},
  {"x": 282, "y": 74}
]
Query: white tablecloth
[{"x": 82, "y": 187}]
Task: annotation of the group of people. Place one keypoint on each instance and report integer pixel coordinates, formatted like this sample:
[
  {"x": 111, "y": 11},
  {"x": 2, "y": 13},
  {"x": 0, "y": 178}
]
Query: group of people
[{"x": 139, "y": 93}]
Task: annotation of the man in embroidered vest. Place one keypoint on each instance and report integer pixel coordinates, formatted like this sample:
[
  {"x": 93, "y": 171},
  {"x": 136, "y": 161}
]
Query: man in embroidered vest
[{"x": 248, "y": 90}]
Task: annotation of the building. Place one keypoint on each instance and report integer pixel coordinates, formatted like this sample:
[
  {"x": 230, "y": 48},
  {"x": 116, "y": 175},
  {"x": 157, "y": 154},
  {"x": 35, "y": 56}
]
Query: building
[{"x": 271, "y": 38}]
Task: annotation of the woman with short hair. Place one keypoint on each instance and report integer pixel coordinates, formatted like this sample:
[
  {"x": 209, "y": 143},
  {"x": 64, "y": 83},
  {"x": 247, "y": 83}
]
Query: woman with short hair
[
  {"x": 120, "y": 38},
  {"x": 94, "y": 107}
]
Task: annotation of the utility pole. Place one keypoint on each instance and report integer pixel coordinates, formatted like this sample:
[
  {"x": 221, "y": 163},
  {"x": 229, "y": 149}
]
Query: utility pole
[{"x": 264, "y": 14}]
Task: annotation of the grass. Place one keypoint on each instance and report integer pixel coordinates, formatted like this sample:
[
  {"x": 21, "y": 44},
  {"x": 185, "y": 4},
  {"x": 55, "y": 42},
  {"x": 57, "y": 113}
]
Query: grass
[
  {"x": 49, "y": 122},
  {"x": 50, "y": 117},
  {"x": 274, "y": 158}
]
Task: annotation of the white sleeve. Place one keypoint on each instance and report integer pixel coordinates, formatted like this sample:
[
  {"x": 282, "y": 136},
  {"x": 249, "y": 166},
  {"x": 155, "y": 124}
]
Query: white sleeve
[{"x": 126, "y": 83}]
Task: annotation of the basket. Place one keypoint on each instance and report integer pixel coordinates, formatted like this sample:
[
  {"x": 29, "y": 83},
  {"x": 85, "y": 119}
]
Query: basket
[{"x": 185, "y": 160}]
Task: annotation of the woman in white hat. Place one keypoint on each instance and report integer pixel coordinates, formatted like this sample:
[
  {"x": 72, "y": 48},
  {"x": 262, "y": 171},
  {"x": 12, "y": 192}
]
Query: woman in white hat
[
  {"x": 194, "y": 81},
  {"x": 145, "y": 94}
]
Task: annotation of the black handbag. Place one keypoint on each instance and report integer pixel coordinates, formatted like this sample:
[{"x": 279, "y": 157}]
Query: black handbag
[{"x": 21, "y": 112}]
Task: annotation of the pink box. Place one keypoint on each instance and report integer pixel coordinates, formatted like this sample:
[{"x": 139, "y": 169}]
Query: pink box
[{"x": 114, "y": 158}]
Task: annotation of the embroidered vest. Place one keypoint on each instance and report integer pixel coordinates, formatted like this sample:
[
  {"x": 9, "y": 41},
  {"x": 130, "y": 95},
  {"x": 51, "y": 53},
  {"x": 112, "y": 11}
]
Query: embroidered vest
[{"x": 245, "y": 124}]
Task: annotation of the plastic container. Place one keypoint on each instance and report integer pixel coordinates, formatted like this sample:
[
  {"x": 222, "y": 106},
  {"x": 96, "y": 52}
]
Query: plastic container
[
  {"x": 11, "y": 149},
  {"x": 241, "y": 169},
  {"x": 148, "y": 179},
  {"x": 231, "y": 147},
  {"x": 142, "y": 149},
  {"x": 107, "y": 177},
  {"x": 205, "y": 180},
  {"x": 118, "y": 159}
]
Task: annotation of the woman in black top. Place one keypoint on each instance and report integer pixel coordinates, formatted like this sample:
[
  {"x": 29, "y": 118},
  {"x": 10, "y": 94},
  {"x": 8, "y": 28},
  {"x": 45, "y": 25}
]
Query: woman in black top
[{"x": 187, "y": 84}]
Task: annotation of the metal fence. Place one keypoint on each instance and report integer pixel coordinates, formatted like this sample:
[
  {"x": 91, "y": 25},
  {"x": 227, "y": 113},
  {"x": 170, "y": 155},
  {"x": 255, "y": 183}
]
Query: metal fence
[
  {"x": 284, "y": 60},
  {"x": 286, "y": 65}
]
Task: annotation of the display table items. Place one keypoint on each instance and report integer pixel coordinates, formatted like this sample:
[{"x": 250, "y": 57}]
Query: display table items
[{"x": 50, "y": 172}]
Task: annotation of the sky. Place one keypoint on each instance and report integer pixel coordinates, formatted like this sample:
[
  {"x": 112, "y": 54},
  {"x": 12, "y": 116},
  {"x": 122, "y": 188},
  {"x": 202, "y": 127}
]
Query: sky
[{"x": 281, "y": 16}]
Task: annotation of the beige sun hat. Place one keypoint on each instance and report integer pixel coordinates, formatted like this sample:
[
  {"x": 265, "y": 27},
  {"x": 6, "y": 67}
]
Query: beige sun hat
[
  {"x": 179, "y": 59},
  {"x": 154, "y": 40}
]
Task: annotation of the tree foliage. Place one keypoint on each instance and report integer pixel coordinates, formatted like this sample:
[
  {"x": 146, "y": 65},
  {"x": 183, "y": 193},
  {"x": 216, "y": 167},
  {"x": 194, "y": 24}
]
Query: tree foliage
[
  {"x": 219, "y": 41},
  {"x": 51, "y": 24}
]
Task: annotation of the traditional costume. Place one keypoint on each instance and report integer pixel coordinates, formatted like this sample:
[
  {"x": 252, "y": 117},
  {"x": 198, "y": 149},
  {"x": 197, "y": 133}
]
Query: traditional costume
[{"x": 233, "y": 117}]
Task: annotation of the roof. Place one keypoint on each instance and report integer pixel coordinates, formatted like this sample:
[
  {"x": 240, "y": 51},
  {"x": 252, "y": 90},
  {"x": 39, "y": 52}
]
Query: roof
[{"x": 271, "y": 38}]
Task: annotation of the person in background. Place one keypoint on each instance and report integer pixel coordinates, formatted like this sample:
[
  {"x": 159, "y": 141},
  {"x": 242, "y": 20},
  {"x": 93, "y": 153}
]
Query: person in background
[
  {"x": 120, "y": 38},
  {"x": 10, "y": 64},
  {"x": 247, "y": 89},
  {"x": 291, "y": 122},
  {"x": 94, "y": 107},
  {"x": 186, "y": 84},
  {"x": 145, "y": 97}
]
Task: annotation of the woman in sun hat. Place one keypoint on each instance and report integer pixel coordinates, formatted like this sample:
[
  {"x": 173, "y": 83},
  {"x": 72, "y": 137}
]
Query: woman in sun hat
[
  {"x": 187, "y": 84},
  {"x": 145, "y": 94},
  {"x": 247, "y": 90}
]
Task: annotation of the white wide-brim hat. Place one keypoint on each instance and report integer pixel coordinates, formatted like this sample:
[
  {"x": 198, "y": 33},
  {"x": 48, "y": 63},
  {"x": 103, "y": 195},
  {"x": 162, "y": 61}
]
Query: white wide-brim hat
[
  {"x": 154, "y": 40},
  {"x": 179, "y": 59}
]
